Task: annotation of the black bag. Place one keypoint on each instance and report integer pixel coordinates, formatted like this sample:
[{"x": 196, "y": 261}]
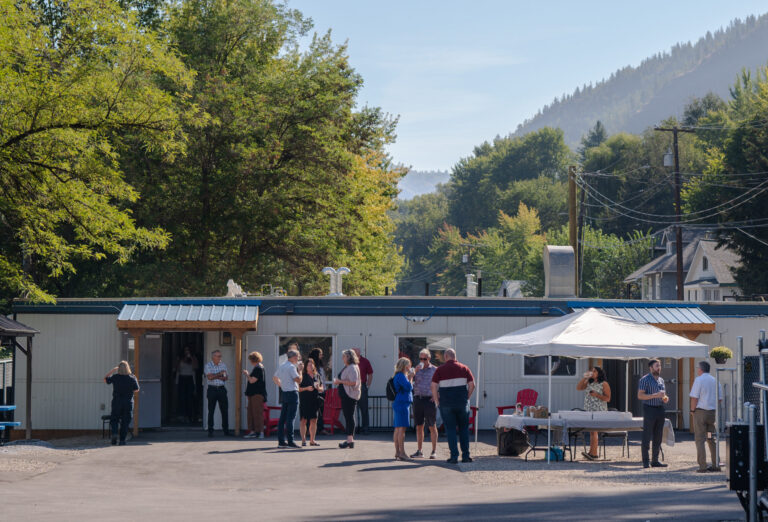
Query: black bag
[
  {"x": 341, "y": 391},
  {"x": 391, "y": 392},
  {"x": 512, "y": 442}
]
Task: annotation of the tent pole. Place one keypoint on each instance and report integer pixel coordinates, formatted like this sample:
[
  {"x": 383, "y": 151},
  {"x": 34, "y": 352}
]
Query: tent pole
[
  {"x": 626, "y": 395},
  {"x": 549, "y": 406},
  {"x": 477, "y": 396}
]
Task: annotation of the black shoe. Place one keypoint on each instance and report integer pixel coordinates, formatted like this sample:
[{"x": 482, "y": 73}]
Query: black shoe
[
  {"x": 282, "y": 444},
  {"x": 346, "y": 444},
  {"x": 658, "y": 465},
  {"x": 122, "y": 443},
  {"x": 452, "y": 460},
  {"x": 713, "y": 469},
  {"x": 114, "y": 441},
  {"x": 210, "y": 434},
  {"x": 646, "y": 465},
  {"x": 466, "y": 459},
  {"x": 293, "y": 445}
]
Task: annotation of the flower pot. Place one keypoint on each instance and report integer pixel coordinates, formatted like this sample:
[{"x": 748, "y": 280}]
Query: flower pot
[{"x": 720, "y": 360}]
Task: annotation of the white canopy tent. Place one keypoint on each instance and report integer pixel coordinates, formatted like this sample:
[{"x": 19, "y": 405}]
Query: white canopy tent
[{"x": 589, "y": 334}]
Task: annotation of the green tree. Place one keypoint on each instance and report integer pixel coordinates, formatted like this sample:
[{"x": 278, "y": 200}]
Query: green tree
[
  {"x": 74, "y": 79},
  {"x": 282, "y": 176},
  {"x": 594, "y": 138},
  {"x": 733, "y": 189},
  {"x": 478, "y": 182}
]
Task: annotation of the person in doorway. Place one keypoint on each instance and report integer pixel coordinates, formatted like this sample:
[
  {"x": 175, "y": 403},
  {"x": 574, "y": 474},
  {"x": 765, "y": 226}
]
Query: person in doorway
[
  {"x": 652, "y": 392},
  {"x": 401, "y": 406},
  {"x": 349, "y": 387},
  {"x": 216, "y": 373},
  {"x": 452, "y": 386},
  {"x": 124, "y": 384},
  {"x": 424, "y": 409},
  {"x": 596, "y": 399},
  {"x": 704, "y": 397},
  {"x": 186, "y": 367},
  {"x": 366, "y": 378},
  {"x": 288, "y": 377},
  {"x": 316, "y": 354},
  {"x": 256, "y": 392},
  {"x": 309, "y": 389}
]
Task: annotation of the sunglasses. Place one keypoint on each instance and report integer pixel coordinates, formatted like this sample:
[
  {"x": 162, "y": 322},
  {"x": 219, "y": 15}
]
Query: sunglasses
[{"x": 423, "y": 358}]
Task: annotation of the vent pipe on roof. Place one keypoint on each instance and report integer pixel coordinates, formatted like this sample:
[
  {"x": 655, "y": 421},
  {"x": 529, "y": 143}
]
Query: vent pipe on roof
[
  {"x": 336, "y": 275},
  {"x": 559, "y": 265}
]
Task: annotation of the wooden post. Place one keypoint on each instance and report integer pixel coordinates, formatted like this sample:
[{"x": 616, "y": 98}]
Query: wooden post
[
  {"x": 680, "y": 397},
  {"x": 238, "y": 379},
  {"x": 28, "y": 406},
  {"x": 691, "y": 377},
  {"x": 136, "y": 334},
  {"x": 572, "y": 239}
]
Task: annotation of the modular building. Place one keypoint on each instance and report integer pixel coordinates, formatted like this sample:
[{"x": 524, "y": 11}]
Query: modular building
[{"x": 81, "y": 339}]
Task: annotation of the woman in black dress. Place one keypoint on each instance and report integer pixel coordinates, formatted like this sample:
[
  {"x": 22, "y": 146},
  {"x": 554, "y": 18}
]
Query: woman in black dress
[{"x": 309, "y": 389}]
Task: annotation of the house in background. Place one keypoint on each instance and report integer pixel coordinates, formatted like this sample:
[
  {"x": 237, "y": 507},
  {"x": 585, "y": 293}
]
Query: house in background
[
  {"x": 710, "y": 277},
  {"x": 658, "y": 279}
]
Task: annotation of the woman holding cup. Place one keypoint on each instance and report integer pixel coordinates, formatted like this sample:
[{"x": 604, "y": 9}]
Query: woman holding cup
[{"x": 596, "y": 399}]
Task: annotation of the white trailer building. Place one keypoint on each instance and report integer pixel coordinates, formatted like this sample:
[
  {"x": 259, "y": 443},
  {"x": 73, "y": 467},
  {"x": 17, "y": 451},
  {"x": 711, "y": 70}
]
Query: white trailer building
[{"x": 81, "y": 339}]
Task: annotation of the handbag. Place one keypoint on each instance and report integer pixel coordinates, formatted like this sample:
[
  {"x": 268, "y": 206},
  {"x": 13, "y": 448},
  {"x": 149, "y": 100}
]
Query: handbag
[{"x": 342, "y": 392}]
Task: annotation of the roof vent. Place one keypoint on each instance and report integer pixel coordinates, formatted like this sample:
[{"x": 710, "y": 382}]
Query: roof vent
[{"x": 559, "y": 267}]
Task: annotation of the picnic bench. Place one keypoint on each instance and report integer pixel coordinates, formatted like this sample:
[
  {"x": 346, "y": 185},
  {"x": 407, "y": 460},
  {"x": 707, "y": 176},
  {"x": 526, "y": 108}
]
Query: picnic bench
[{"x": 7, "y": 424}]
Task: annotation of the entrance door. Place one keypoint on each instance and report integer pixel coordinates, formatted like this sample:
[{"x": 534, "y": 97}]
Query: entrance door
[
  {"x": 183, "y": 355},
  {"x": 150, "y": 380}
]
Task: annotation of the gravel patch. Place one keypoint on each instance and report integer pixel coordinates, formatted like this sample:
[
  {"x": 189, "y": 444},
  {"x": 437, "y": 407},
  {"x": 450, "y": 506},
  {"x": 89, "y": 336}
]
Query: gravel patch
[
  {"x": 490, "y": 469},
  {"x": 26, "y": 457}
]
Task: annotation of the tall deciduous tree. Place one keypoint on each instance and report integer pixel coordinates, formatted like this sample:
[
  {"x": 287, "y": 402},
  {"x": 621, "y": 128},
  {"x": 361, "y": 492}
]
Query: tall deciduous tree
[{"x": 75, "y": 77}]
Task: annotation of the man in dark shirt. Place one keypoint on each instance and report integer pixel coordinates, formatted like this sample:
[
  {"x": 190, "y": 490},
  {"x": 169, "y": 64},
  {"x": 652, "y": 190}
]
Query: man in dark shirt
[
  {"x": 124, "y": 384},
  {"x": 652, "y": 392},
  {"x": 452, "y": 385}
]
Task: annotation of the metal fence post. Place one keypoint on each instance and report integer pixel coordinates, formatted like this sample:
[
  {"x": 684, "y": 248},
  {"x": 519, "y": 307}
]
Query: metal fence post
[{"x": 740, "y": 410}]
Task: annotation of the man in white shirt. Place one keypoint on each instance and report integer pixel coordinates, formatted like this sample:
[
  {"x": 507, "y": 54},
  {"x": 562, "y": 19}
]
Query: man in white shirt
[
  {"x": 216, "y": 373},
  {"x": 288, "y": 377},
  {"x": 704, "y": 396}
]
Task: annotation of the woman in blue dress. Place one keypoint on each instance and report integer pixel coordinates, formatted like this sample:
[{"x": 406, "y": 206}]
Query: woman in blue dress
[{"x": 402, "y": 405}]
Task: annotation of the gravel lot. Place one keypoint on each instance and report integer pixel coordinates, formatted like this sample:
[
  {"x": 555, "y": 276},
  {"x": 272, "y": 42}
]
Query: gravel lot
[{"x": 186, "y": 476}]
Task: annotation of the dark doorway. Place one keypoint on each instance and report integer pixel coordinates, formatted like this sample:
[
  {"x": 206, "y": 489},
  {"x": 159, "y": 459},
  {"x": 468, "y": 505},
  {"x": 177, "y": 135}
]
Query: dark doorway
[
  {"x": 182, "y": 403},
  {"x": 616, "y": 375}
]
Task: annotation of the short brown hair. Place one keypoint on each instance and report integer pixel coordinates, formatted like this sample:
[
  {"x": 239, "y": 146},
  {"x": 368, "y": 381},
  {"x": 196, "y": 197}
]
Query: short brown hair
[
  {"x": 255, "y": 357},
  {"x": 651, "y": 362}
]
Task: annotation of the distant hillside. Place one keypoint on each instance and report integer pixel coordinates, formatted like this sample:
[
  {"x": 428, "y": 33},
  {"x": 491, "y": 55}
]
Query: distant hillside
[
  {"x": 418, "y": 182},
  {"x": 634, "y": 98}
]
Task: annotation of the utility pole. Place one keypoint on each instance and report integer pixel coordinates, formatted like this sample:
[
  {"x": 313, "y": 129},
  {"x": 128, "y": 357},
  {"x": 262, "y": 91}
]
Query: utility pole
[
  {"x": 678, "y": 229},
  {"x": 572, "y": 236}
]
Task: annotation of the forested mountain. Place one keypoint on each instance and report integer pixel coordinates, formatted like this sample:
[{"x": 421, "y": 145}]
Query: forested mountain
[
  {"x": 634, "y": 98},
  {"x": 418, "y": 182}
]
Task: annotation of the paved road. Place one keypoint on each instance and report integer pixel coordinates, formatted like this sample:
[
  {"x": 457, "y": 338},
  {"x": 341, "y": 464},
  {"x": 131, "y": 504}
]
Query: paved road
[{"x": 187, "y": 477}]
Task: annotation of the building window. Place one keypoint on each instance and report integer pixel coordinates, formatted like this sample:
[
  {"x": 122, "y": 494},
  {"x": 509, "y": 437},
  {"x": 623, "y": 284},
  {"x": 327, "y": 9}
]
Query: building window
[
  {"x": 695, "y": 295},
  {"x": 689, "y": 295},
  {"x": 306, "y": 344},
  {"x": 561, "y": 366},
  {"x": 707, "y": 295},
  {"x": 704, "y": 263},
  {"x": 410, "y": 347},
  {"x": 715, "y": 295}
]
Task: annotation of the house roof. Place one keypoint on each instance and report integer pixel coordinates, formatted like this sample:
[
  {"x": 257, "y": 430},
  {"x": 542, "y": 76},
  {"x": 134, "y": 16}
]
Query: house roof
[
  {"x": 208, "y": 317},
  {"x": 11, "y": 328},
  {"x": 721, "y": 260},
  {"x": 665, "y": 263}
]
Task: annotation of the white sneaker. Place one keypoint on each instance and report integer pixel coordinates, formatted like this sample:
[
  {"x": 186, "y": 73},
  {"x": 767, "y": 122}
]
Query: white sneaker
[
  {"x": 433, "y": 456},
  {"x": 250, "y": 436},
  {"x": 261, "y": 435}
]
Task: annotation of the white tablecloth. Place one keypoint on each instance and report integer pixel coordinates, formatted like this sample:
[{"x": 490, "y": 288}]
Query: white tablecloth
[{"x": 634, "y": 424}]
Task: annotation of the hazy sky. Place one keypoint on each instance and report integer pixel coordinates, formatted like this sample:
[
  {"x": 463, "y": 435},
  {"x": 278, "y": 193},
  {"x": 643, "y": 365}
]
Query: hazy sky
[{"x": 459, "y": 73}]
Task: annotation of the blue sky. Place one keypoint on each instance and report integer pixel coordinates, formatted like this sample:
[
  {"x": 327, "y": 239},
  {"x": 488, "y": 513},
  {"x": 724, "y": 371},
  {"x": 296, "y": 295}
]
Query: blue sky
[{"x": 459, "y": 73}]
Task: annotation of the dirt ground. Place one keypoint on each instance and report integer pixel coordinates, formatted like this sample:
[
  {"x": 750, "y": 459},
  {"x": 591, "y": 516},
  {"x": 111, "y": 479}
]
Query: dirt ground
[{"x": 186, "y": 476}]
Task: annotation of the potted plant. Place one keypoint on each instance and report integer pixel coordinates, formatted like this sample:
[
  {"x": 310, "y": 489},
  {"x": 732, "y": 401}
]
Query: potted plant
[{"x": 720, "y": 354}]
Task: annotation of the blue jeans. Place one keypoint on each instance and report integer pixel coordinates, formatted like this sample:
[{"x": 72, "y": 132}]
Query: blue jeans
[
  {"x": 456, "y": 417},
  {"x": 287, "y": 416}
]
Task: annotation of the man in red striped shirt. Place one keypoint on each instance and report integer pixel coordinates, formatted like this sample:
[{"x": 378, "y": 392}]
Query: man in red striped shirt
[{"x": 452, "y": 385}]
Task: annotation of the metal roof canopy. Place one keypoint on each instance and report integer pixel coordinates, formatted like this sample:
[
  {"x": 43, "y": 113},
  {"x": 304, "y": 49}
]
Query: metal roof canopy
[
  {"x": 148, "y": 316},
  {"x": 688, "y": 320},
  {"x": 138, "y": 317}
]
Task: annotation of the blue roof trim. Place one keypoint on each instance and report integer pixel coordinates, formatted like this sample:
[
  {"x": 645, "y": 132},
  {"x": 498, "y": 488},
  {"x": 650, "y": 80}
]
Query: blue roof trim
[{"x": 394, "y": 306}]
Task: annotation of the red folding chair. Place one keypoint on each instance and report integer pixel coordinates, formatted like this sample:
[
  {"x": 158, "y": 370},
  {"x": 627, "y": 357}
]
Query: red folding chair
[
  {"x": 270, "y": 423},
  {"x": 331, "y": 411}
]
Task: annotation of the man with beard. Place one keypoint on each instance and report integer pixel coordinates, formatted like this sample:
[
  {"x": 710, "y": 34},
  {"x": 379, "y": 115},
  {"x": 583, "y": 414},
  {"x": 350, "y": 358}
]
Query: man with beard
[{"x": 654, "y": 396}]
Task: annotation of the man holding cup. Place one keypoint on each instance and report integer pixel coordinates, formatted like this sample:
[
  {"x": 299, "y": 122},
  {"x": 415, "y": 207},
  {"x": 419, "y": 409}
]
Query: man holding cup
[
  {"x": 288, "y": 377},
  {"x": 652, "y": 392}
]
